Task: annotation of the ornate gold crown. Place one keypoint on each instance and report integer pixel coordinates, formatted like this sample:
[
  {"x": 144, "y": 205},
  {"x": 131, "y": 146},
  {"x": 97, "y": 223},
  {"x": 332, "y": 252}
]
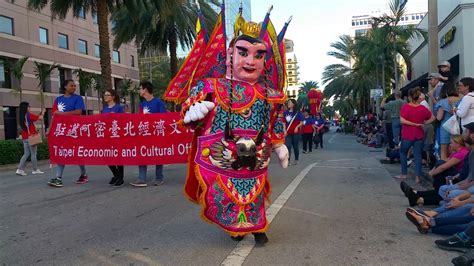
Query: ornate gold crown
[{"x": 242, "y": 27}]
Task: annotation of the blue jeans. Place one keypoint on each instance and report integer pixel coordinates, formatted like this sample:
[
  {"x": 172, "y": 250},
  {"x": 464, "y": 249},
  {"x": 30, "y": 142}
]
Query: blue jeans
[
  {"x": 396, "y": 130},
  {"x": 27, "y": 151},
  {"x": 142, "y": 173},
  {"x": 452, "y": 225},
  {"x": 60, "y": 170},
  {"x": 293, "y": 141},
  {"x": 444, "y": 211},
  {"x": 417, "y": 151}
]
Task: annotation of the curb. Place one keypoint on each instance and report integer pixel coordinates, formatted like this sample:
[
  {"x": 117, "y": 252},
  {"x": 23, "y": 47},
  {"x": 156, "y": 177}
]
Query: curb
[{"x": 8, "y": 167}]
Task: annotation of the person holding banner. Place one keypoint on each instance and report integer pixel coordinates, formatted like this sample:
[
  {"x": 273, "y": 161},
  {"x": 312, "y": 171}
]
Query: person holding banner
[
  {"x": 68, "y": 104},
  {"x": 112, "y": 105},
  {"x": 149, "y": 106},
  {"x": 238, "y": 121},
  {"x": 28, "y": 129}
]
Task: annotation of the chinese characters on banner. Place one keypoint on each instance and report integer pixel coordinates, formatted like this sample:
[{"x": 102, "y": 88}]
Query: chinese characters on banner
[{"x": 119, "y": 139}]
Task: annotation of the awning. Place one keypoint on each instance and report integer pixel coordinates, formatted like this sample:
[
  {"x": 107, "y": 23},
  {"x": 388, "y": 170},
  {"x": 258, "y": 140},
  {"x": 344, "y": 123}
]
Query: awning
[{"x": 421, "y": 82}]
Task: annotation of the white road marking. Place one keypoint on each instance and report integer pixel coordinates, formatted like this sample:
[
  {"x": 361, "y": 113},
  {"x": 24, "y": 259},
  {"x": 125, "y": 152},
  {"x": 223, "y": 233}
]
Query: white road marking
[
  {"x": 331, "y": 139},
  {"x": 243, "y": 249},
  {"x": 341, "y": 160}
]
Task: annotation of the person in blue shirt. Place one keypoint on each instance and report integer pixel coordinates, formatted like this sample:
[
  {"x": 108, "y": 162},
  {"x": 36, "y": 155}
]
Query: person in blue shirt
[
  {"x": 294, "y": 123},
  {"x": 321, "y": 128},
  {"x": 68, "y": 104},
  {"x": 150, "y": 105},
  {"x": 112, "y": 105}
]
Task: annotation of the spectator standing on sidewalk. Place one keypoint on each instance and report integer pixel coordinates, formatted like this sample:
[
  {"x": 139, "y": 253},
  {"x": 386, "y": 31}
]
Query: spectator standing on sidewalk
[
  {"x": 394, "y": 107},
  {"x": 150, "y": 105},
  {"x": 445, "y": 106},
  {"x": 444, "y": 70},
  {"x": 465, "y": 110},
  {"x": 68, "y": 104},
  {"x": 309, "y": 128},
  {"x": 413, "y": 117},
  {"x": 27, "y": 120},
  {"x": 112, "y": 105},
  {"x": 294, "y": 122}
]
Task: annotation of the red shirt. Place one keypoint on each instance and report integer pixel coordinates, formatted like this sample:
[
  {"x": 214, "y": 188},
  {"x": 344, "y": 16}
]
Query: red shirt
[
  {"x": 460, "y": 155},
  {"x": 418, "y": 115},
  {"x": 31, "y": 119}
]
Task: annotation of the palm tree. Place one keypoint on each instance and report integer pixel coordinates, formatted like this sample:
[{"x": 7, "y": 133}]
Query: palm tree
[
  {"x": 160, "y": 25},
  {"x": 17, "y": 71},
  {"x": 86, "y": 82},
  {"x": 42, "y": 74},
  {"x": 308, "y": 85},
  {"x": 60, "y": 8}
]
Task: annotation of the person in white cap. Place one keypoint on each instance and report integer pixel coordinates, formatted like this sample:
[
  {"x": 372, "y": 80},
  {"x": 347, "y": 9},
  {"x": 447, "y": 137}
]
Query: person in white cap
[
  {"x": 436, "y": 85},
  {"x": 445, "y": 71}
]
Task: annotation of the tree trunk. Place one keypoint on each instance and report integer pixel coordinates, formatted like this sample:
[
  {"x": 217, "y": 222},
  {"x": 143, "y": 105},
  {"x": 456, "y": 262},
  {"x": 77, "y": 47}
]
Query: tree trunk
[
  {"x": 103, "y": 23},
  {"x": 173, "y": 42}
]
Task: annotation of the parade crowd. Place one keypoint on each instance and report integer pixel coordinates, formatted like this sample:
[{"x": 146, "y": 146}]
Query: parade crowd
[{"x": 439, "y": 138}]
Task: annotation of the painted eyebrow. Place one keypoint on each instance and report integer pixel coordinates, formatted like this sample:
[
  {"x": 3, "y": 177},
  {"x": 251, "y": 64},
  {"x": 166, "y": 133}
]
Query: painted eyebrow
[
  {"x": 242, "y": 48},
  {"x": 262, "y": 51}
]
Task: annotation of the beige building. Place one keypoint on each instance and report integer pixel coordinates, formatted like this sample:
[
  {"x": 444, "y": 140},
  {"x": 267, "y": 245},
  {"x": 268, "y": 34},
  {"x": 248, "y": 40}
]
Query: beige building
[
  {"x": 292, "y": 73},
  {"x": 72, "y": 43}
]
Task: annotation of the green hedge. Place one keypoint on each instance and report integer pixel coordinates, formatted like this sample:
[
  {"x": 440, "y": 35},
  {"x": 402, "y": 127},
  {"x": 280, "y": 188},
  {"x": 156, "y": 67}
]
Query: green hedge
[{"x": 11, "y": 151}]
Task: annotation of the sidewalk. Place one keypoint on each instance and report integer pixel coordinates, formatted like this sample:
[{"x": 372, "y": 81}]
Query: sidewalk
[{"x": 8, "y": 167}]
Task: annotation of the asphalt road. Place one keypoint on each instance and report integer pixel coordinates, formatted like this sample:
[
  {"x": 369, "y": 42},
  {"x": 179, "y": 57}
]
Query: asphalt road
[{"x": 346, "y": 210}]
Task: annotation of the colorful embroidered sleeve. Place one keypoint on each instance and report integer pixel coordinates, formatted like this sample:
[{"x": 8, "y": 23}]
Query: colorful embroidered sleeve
[
  {"x": 196, "y": 94},
  {"x": 277, "y": 125}
]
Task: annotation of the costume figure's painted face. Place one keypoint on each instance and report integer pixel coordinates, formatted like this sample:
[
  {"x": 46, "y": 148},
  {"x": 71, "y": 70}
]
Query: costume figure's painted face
[{"x": 248, "y": 61}]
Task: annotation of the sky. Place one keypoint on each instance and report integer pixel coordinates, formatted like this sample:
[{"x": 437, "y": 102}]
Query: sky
[{"x": 318, "y": 23}]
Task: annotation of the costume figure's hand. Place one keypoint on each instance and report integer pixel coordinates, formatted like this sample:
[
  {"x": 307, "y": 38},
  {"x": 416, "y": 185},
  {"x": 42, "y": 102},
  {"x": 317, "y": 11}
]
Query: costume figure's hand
[
  {"x": 198, "y": 111},
  {"x": 283, "y": 155}
]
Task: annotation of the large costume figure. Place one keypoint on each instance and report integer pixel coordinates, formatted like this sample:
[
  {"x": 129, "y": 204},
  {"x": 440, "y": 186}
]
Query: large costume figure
[
  {"x": 315, "y": 97},
  {"x": 238, "y": 121}
]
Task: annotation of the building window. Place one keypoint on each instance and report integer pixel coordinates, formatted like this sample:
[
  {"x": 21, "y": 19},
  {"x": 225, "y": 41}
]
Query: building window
[
  {"x": 63, "y": 41},
  {"x": 406, "y": 18},
  {"x": 422, "y": 16},
  {"x": 6, "y": 25},
  {"x": 94, "y": 17},
  {"x": 96, "y": 50},
  {"x": 402, "y": 18},
  {"x": 417, "y": 16},
  {"x": 43, "y": 35},
  {"x": 5, "y": 80},
  {"x": 357, "y": 23},
  {"x": 82, "y": 46},
  {"x": 413, "y": 17},
  {"x": 132, "y": 61},
  {"x": 116, "y": 56},
  {"x": 62, "y": 78},
  {"x": 9, "y": 120},
  {"x": 353, "y": 23},
  {"x": 81, "y": 13}
]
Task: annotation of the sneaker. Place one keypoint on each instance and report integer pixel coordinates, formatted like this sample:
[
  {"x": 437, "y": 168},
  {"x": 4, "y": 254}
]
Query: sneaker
[
  {"x": 82, "y": 179},
  {"x": 405, "y": 188},
  {"x": 56, "y": 182},
  {"x": 455, "y": 243},
  {"x": 159, "y": 183},
  {"x": 113, "y": 180},
  {"x": 119, "y": 182},
  {"x": 21, "y": 172},
  {"x": 260, "y": 238},
  {"x": 409, "y": 162},
  {"x": 464, "y": 260},
  {"x": 37, "y": 172},
  {"x": 139, "y": 183},
  {"x": 412, "y": 198},
  {"x": 305, "y": 152},
  {"x": 295, "y": 162}
]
